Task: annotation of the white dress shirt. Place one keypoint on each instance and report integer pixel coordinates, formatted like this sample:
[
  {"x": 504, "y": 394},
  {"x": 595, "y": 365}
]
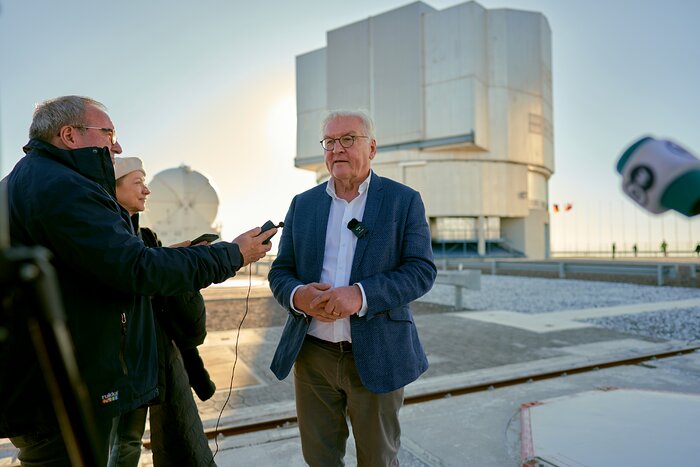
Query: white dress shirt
[{"x": 337, "y": 258}]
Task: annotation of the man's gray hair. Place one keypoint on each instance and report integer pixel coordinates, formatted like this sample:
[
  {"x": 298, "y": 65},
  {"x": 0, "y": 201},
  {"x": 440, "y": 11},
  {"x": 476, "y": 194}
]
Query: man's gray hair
[
  {"x": 367, "y": 121},
  {"x": 53, "y": 114}
]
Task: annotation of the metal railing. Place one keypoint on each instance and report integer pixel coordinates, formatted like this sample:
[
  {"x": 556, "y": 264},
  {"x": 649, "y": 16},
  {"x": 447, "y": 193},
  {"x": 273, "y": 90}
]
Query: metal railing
[{"x": 661, "y": 271}]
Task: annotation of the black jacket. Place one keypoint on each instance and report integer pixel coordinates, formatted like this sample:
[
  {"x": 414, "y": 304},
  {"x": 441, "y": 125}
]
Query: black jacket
[
  {"x": 65, "y": 201},
  {"x": 183, "y": 317},
  {"x": 180, "y": 319}
]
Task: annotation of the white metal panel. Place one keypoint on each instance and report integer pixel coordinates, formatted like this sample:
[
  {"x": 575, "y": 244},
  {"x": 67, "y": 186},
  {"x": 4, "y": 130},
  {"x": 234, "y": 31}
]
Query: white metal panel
[
  {"x": 520, "y": 71},
  {"x": 545, "y": 41},
  {"x": 415, "y": 177},
  {"x": 504, "y": 189},
  {"x": 536, "y": 223},
  {"x": 537, "y": 192},
  {"x": 524, "y": 52},
  {"x": 515, "y": 58},
  {"x": 348, "y": 67},
  {"x": 311, "y": 102},
  {"x": 455, "y": 43},
  {"x": 526, "y": 128},
  {"x": 458, "y": 107},
  {"x": 482, "y": 128},
  {"x": 497, "y": 48},
  {"x": 392, "y": 171},
  {"x": 311, "y": 80},
  {"x": 464, "y": 195},
  {"x": 476, "y": 188},
  {"x": 449, "y": 108},
  {"x": 397, "y": 73},
  {"x": 518, "y": 128},
  {"x": 498, "y": 122},
  {"x": 308, "y": 148}
]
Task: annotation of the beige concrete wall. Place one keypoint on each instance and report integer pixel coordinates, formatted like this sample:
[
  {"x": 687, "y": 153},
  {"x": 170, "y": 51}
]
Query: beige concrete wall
[{"x": 527, "y": 234}]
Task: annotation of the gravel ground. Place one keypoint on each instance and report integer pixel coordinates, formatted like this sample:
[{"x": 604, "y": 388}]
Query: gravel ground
[
  {"x": 538, "y": 295},
  {"x": 681, "y": 324},
  {"x": 513, "y": 293}
]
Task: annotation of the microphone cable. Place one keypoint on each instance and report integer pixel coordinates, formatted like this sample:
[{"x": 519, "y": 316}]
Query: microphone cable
[{"x": 235, "y": 360}]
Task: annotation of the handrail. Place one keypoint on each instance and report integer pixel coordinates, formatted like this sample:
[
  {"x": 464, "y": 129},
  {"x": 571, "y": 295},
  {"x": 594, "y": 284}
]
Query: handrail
[{"x": 660, "y": 270}]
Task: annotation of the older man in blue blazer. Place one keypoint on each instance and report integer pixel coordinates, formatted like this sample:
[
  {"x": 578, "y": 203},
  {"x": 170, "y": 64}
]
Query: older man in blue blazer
[{"x": 353, "y": 254}]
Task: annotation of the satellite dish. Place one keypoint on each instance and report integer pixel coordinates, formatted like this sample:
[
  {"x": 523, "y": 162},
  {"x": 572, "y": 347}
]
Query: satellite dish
[{"x": 182, "y": 205}]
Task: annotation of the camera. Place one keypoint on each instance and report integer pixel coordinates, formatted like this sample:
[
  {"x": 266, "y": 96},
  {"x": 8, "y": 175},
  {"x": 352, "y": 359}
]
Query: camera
[{"x": 660, "y": 175}]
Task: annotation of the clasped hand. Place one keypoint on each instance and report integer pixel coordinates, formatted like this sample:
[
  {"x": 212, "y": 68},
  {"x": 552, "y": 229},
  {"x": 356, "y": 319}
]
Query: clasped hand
[{"x": 325, "y": 304}]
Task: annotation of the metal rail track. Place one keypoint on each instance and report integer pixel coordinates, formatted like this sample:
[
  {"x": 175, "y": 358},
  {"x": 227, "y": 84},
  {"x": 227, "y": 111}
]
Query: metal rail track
[{"x": 486, "y": 386}]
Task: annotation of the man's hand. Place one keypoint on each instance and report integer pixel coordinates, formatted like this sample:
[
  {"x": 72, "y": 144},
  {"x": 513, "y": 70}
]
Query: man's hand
[
  {"x": 187, "y": 243},
  {"x": 251, "y": 246},
  {"x": 180, "y": 244},
  {"x": 306, "y": 294},
  {"x": 339, "y": 303}
]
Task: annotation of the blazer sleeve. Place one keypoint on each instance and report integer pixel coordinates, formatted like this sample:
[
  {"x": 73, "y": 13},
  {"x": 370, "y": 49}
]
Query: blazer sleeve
[{"x": 283, "y": 276}]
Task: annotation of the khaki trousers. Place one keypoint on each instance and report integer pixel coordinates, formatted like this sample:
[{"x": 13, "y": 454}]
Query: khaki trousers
[{"x": 328, "y": 388}]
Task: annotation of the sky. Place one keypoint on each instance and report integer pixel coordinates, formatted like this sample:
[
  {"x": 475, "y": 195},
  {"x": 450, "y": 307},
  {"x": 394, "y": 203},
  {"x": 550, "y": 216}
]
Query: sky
[{"x": 211, "y": 84}]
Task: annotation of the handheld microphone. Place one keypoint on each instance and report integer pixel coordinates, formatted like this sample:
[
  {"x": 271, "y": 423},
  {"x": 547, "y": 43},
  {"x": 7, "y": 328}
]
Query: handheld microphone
[
  {"x": 660, "y": 175},
  {"x": 267, "y": 226},
  {"x": 357, "y": 228}
]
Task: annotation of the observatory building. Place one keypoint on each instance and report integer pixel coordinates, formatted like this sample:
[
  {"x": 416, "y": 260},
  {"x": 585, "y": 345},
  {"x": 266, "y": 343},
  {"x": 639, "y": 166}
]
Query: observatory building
[
  {"x": 182, "y": 205},
  {"x": 462, "y": 100}
]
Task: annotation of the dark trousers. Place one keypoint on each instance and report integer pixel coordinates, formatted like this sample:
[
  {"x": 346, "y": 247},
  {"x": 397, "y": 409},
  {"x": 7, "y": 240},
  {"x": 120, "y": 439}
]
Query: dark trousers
[
  {"x": 125, "y": 438},
  {"x": 327, "y": 389},
  {"x": 49, "y": 450},
  {"x": 177, "y": 434}
]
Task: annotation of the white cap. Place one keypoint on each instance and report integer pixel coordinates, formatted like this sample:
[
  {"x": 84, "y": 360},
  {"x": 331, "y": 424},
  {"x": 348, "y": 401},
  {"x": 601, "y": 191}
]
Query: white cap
[{"x": 125, "y": 165}]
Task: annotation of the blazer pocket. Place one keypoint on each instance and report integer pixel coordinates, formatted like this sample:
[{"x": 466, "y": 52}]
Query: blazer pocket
[{"x": 401, "y": 314}]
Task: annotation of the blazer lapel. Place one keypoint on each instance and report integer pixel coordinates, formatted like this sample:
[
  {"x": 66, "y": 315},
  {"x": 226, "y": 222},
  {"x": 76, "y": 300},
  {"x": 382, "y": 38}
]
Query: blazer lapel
[
  {"x": 321, "y": 213},
  {"x": 369, "y": 218}
]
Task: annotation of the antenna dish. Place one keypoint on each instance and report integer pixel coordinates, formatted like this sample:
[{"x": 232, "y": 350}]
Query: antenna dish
[{"x": 182, "y": 205}]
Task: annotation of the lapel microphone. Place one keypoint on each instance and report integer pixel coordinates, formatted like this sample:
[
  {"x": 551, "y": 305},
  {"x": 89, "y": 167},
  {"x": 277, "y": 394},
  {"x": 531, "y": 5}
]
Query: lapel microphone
[{"x": 357, "y": 228}]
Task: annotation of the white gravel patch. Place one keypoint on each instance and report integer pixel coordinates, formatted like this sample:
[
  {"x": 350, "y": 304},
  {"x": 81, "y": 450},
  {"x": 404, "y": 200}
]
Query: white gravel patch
[
  {"x": 540, "y": 295},
  {"x": 681, "y": 324}
]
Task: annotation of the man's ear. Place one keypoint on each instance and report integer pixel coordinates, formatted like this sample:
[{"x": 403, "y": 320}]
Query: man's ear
[
  {"x": 67, "y": 136},
  {"x": 373, "y": 149}
]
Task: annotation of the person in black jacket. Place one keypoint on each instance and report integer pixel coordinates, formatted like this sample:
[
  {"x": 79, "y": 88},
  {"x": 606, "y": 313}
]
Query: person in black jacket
[
  {"x": 61, "y": 196},
  {"x": 177, "y": 434}
]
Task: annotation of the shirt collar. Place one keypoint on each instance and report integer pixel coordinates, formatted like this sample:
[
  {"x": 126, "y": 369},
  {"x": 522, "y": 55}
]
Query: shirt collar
[{"x": 364, "y": 186}]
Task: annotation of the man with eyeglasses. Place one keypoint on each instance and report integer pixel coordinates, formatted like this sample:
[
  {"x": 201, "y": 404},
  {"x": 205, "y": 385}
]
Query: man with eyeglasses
[
  {"x": 353, "y": 254},
  {"x": 62, "y": 196}
]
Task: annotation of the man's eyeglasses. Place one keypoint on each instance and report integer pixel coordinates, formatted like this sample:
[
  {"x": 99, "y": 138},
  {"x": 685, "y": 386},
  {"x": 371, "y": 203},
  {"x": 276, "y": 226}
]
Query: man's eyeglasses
[
  {"x": 345, "y": 141},
  {"x": 110, "y": 131}
]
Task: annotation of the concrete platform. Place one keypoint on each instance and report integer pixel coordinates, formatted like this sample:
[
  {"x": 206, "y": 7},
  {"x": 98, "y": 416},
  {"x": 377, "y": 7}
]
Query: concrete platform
[{"x": 464, "y": 349}]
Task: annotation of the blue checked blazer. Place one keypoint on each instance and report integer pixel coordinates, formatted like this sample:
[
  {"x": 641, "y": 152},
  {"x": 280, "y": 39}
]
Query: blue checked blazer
[{"x": 394, "y": 264}]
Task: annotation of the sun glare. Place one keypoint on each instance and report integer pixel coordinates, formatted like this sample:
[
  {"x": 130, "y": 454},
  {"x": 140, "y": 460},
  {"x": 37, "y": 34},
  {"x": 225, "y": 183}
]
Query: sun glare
[{"x": 281, "y": 129}]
